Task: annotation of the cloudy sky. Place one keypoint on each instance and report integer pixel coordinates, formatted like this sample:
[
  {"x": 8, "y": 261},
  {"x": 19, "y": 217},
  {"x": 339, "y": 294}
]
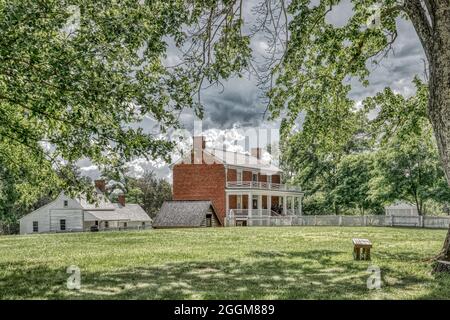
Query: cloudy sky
[{"x": 238, "y": 107}]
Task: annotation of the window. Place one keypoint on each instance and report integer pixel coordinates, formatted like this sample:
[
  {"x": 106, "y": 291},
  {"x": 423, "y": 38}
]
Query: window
[
  {"x": 255, "y": 177},
  {"x": 96, "y": 222},
  {"x": 255, "y": 202},
  {"x": 125, "y": 224},
  {"x": 35, "y": 226},
  {"x": 66, "y": 203},
  {"x": 143, "y": 224},
  {"x": 106, "y": 224},
  {"x": 209, "y": 220},
  {"x": 62, "y": 224},
  {"x": 239, "y": 176}
]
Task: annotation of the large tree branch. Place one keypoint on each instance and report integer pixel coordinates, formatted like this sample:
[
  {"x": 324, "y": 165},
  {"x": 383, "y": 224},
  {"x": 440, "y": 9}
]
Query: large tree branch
[
  {"x": 431, "y": 8},
  {"x": 418, "y": 16}
]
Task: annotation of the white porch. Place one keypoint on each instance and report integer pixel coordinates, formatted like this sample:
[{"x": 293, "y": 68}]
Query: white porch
[{"x": 244, "y": 203}]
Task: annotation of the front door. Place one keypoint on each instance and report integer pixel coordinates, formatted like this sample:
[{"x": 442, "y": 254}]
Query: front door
[{"x": 255, "y": 203}]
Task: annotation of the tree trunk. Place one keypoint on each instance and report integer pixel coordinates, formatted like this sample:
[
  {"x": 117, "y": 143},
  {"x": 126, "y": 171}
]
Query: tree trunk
[{"x": 439, "y": 105}]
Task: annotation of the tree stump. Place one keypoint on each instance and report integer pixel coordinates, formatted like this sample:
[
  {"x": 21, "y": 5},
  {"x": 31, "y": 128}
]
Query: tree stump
[{"x": 441, "y": 266}]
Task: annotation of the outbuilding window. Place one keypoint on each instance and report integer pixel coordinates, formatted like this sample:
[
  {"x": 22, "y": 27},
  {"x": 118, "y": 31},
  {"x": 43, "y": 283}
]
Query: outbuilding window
[
  {"x": 66, "y": 203},
  {"x": 35, "y": 226},
  {"x": 62, "y": 224},
  {"x": 209, "y": 220}
]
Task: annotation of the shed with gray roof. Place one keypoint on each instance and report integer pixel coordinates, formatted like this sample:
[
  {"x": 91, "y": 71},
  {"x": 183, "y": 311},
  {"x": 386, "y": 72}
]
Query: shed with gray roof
[{"x": 186, "y": 214}]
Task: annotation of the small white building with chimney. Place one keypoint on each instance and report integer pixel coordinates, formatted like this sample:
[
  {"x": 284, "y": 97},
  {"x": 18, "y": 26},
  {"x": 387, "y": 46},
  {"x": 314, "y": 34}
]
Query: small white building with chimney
[{"x": 66, "y": 214}]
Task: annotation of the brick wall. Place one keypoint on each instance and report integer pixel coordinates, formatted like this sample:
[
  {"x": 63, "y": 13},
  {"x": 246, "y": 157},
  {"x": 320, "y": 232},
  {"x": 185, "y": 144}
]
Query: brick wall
[
  {"x": 231, "y": 175},
  {"x": 246, "y": 176},
  {"x": 200, "y": 182}
]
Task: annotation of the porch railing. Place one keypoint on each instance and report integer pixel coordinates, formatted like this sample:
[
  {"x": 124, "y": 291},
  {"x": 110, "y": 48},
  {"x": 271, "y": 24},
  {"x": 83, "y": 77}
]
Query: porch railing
[
  {"x": 261, "y": 185},
  {"x": 243, "y": 213}
]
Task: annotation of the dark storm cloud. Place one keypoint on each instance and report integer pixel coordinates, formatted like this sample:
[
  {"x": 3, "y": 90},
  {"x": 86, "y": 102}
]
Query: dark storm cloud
[
  {"x": 399, "y": 68},
  {"x": 241, "y": 103},
  {"x": 237, "y": 104}
]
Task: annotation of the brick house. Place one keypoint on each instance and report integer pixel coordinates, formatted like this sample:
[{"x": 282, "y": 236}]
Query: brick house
[{"x": 239, "y": 185}]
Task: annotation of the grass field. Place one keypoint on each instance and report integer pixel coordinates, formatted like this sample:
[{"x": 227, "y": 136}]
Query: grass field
[{"x": 223, "y": 263}]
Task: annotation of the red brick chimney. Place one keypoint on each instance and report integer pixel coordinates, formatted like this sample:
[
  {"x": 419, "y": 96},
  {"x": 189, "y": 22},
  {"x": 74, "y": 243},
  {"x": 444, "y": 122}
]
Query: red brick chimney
[
  {"x": 100, "y": 185},
  {"x": 121, "y": 199},
  {"x": 199, "y": 144},
  {"x": 256, "y": 152}
]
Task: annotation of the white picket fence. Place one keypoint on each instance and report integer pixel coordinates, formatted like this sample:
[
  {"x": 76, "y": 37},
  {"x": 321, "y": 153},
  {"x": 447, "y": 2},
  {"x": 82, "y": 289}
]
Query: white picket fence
[{"x": 356, "y": 221}]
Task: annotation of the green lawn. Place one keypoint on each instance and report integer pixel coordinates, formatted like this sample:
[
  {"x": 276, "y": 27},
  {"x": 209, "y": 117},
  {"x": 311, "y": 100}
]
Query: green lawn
[{"x": 223, "y": 263}]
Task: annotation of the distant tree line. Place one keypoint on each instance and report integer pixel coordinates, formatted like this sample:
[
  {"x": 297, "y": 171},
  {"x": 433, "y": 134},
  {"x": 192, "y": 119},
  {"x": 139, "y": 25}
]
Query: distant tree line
[
  {"x": 148, "y": 191},
  {"x": 357, "y": 160}
]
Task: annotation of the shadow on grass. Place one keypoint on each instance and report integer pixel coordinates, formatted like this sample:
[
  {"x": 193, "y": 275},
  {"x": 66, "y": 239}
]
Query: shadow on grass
[{"x": 314, "y": 274}]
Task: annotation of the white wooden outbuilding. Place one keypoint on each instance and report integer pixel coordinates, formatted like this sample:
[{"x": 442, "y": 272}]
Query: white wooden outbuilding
[
  {"x": 65, "y": 214},
  {"x": 401, "y": 209}
]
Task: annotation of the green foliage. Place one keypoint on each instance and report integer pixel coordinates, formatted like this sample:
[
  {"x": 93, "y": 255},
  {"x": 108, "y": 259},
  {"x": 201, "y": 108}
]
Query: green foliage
[
  {"x": 71, "y": 86},
  {"x": 321, "y": 57},
  {"x": 312, "y": 155},
  {"x": 349, "y": 164},
  {"x": 78, "y": 90},
  {"x": 148, "y": 191},
  {"x": 353, "y": 192},
  {"x": 407, "y": 160},
  {"x": 153, "y": 192}
]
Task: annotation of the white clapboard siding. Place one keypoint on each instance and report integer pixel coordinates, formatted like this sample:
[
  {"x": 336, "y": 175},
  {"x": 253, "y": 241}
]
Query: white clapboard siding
[
  {"x": 73, "y": 217},
  {"x": 41, "y": 216}
]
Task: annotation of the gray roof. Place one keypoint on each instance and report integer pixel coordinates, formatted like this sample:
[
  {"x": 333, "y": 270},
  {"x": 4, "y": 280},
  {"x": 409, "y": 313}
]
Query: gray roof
[
  {"x": 243, "y": 160},
  {"x": 129, "y": 212},
  {"x": 133, "y": 211},
  {"x": 104, "y": 215},
  {"x": 235, "y": 159},
  {"x": 183, "y": 213}
]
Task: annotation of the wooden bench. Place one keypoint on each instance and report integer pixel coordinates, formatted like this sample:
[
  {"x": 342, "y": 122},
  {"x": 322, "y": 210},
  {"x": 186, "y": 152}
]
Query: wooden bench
[{"x": 363, "y": 244}]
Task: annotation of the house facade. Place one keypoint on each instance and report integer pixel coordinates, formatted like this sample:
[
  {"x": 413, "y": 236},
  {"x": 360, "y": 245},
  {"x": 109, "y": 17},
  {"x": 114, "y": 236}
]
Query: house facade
[
  {"x": 239, "y": 185},
  {"x": 66, "y": 214}
]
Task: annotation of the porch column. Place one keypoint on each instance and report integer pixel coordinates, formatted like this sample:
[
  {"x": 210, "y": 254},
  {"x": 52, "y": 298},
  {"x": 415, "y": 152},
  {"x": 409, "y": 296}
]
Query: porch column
[
  {"x": 259, "y": 204},
  {"x": 227, "y": 204},
  {"x": 250, "y": 203},
  {"x": 269, "y": 203},
  {"x": 300, "y": 205},
  {"x": 293, "y": 204},
  {"x": 284, "y": 205}
]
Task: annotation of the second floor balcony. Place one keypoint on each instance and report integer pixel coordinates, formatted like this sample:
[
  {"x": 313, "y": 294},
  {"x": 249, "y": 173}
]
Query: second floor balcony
[{"x": 261, "y": 186}]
